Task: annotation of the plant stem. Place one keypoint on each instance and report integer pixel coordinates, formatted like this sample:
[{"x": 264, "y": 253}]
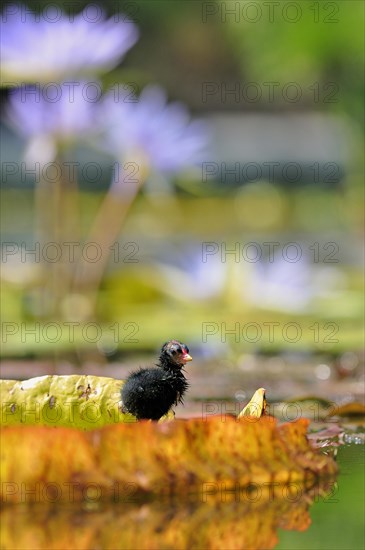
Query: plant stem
[{"x": 103, "y": 234}]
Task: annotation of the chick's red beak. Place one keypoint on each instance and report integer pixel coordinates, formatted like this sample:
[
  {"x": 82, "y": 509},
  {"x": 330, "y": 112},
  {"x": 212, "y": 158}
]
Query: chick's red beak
[{"x": 186, "y": 357}]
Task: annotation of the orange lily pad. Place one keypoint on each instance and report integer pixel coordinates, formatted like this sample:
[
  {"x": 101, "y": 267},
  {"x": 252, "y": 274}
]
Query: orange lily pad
[{"x": 170, "y": 458}]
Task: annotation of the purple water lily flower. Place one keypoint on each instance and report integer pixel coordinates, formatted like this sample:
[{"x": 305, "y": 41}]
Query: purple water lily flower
[
  {"x": 151, "y": 129},
  {"x": 282, "y": 284},
  {"x": 53, "y": 45},
  {"x": 185, "y": 276},
  {"x": 68, "y": 113}
]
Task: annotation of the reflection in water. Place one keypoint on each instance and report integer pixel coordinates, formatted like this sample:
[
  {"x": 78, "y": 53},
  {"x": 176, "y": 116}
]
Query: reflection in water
[{"x": 215, "y": 519}]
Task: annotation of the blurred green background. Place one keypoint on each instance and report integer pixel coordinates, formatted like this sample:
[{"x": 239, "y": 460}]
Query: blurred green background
[
  {"x": 275, "y": 84},
  {"x": 209, "y": 256}
]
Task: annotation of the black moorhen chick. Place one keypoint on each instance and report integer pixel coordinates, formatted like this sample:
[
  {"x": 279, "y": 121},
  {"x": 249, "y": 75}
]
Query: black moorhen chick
[{"x": 150, "y": 393}]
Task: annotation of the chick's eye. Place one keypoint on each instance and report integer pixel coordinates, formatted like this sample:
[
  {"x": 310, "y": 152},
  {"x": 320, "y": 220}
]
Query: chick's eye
[{"x": 179, "y": 350}]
